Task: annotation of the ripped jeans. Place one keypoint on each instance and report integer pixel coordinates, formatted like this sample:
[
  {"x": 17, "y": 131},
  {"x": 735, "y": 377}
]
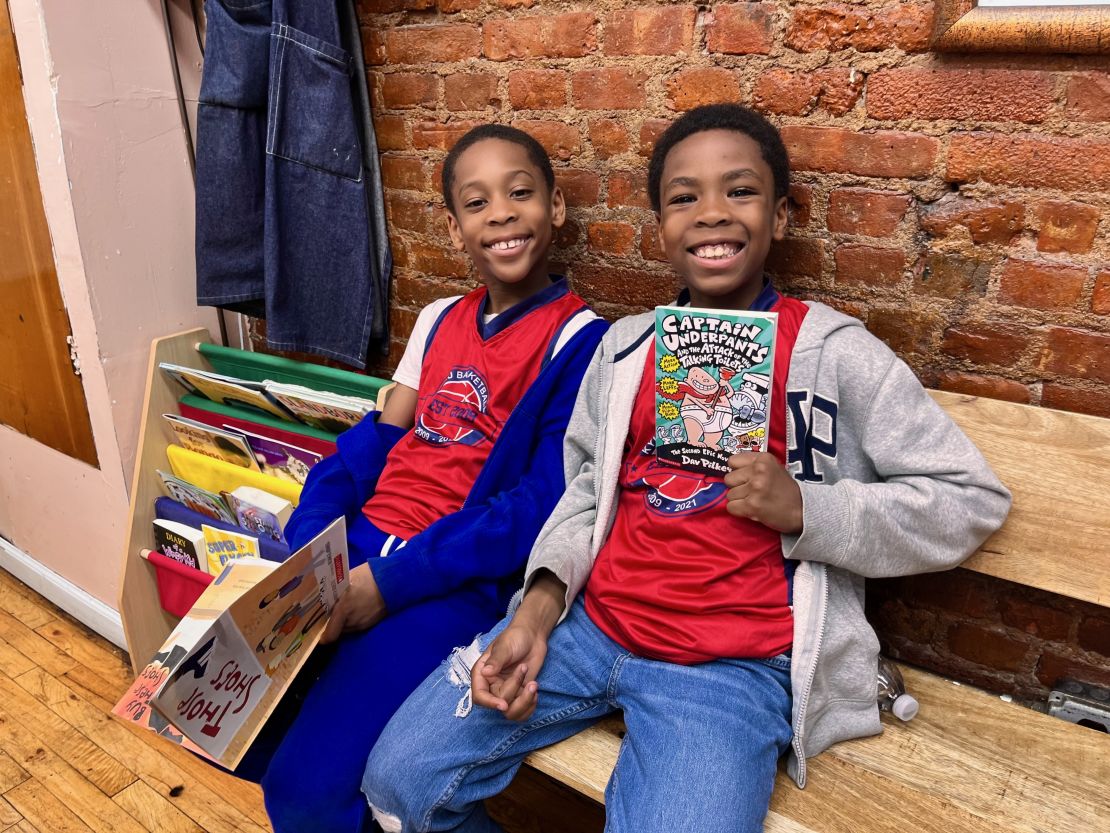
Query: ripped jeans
[{"x": 699, "y": 755}]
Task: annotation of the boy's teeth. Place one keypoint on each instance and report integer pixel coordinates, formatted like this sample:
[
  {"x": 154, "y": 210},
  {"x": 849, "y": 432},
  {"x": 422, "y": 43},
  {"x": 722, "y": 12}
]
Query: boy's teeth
[
  {"x": 717, "y": 250},
  {"x": 508, "y": 244}
]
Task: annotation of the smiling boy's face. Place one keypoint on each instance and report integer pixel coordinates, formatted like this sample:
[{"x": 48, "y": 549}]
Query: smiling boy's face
[
  {"x": 504, "y": 216},
  {"x": 718, "y": 217}
]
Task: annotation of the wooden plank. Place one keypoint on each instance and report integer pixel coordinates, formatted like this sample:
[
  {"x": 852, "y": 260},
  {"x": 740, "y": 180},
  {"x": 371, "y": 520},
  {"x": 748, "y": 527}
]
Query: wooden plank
[
  {"x": 1057, "y": 537},
  {"x": 23, "y": 603},
  {"x": 23, "y": 827},
  {"x": 89, "y": 650},
  {"x": 28, "y": 730},
  {"x": 11, "y": 773},
  {"x": 8, "y": 814},
  {"x": 44, "y": 810},
  {"x": 145, "y": 624},
  {"x": 12, "y": 662},
  {"x": 213, "y": 799},
  {"x": 153, "y": 811},
  {"x": 33, "y": 646}
]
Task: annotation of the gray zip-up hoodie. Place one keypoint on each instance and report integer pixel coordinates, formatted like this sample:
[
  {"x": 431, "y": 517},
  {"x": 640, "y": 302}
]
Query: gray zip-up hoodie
[{"x": 890, "y": 486}]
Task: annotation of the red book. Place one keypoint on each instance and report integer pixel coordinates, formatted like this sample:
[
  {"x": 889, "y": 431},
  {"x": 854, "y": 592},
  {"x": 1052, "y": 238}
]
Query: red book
[{"x": 324, "y": 448}]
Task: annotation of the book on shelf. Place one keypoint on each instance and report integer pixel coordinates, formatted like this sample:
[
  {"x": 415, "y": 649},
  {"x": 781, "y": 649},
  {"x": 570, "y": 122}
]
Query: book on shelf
[
  {"x": 321, "y": 409},
  {"x": 198, "y": 499},
  {"x": 219, "y": 443},
  {"x": 223, "y": 546},
  {"x": 713, "y": 373},
  {"x": 182, "y": 543},
  {"x": 260, "y": 512},
  {"x": 277, "y": 458},
  {"x": 227, "y": 390},
  {"x": 221, "y": 672}
]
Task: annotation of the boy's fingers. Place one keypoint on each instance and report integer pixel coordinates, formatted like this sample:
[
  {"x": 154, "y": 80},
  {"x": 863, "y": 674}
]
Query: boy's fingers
[
  {"x": 525, "y": 704},
  {"x": 480, "y": 691},
  {"x": 336, "y": 621},
  {"x": 513, "y": 683}
]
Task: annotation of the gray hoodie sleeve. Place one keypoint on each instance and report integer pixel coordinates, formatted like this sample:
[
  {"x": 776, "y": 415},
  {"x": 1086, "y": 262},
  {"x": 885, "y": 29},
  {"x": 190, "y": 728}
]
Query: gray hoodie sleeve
[
  {"x": 927, "y": 503},
  {"x": 565, "y": 544}
]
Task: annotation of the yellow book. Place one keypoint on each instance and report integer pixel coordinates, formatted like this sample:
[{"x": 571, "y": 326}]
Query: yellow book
[
  {"x": 223, "y": 547},
  {"x": 219, "y": 476}
]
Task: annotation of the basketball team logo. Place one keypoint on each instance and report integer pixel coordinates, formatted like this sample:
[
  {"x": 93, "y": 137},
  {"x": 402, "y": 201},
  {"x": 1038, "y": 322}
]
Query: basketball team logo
[
  {"x": 450, "y": 413},
  {"x": 669, "y": 490}
]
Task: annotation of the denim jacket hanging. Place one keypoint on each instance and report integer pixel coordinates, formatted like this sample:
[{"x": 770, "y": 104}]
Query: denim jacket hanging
[{"x": 290, "y": 217}]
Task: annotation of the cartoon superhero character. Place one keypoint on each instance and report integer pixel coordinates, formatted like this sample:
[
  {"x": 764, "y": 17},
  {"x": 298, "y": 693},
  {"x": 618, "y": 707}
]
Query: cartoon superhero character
[
  {"x": 705, "y": 409},
  {"x": 750, "y": 406}
]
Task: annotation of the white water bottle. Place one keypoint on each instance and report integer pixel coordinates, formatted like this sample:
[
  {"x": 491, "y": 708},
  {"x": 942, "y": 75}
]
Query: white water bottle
[{"x": 892, "y": 692}]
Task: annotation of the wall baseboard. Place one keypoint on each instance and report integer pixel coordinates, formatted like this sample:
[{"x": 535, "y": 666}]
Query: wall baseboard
[{"x": 65, "y": 594}]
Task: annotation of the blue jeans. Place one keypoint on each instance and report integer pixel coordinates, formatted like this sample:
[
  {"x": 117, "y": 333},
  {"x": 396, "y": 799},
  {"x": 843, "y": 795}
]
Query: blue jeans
[{"x": 700, "y": 751}]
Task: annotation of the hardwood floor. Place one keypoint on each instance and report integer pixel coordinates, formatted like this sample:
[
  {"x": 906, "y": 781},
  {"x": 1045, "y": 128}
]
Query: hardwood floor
[{"x": 66, "y": 766}]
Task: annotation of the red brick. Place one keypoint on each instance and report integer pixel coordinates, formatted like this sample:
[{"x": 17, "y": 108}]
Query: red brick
[
  {"x": 436, "y": 260},
  {"x": 986, "y": 222},
  {"x": 905, "y": 331},
  {"x": 404, "y": 172},
  {"x": 369, "y": 7},
  {"x": 1035, "y": 161},
  {"x": 515, "y": 4},
  {"x": 953, "y": 276},
  {"x": 1041, "y": 285},
  {"x": 432, "y": 44},
  {"x": 628, "y": 188},
  {"x": 580, "y": 187},
  {"x": 1036, "y": 619},
  {"x": 570, "y": 35},
  {"x": 627, "y": 287},
  {"x": 801, "y": 204},
  {"x": 408, "y": 213},
  {"x": 1080, "y": 400},
  {"x": 1089, "y": 96},
  {"x": 401, "y": 90},
  {"x": 800, "y": 93},
  {"x": 608, "y": 88},
  {"x": 740, "y": 29},
  {"x": 1094, "y": 635},
  {"x": 453, "y": 6},
  {"x": 567, "y": 236},
  {"x": 373, "y": 46},
  {"x": 885, "y": 153},
  {"x": 427, "y": 135},
  {"x": 892, "y": 618},
  {"x": 1077, "y": 354},
  {"x": 390, "y": 132},
  {"x": 559, "y": 139},
  {"x": 418, "y": 293},
  {"x": 865, "y": 29},
  {"x": 537, "y": 89},
  {"x": 1100, "y": 298},
  {"x": 863, "y": 211},
  {"x": 985, "y": 343},
  {"x": 1054, "y": 666},
  {"x": 981, "y": 95},
  {"x": 655, "y": 30},
  {"x": 470, "y": 91},
  {"x": 650, "y": 131},
  {"x": 691, "y": 88},
  {"x": 1066, "y": 226},
  {"x": 869, "y": 266},
  {"x": 797, "y": 257},
  {"x": 611, "y": 237},
  {"x": 988, "y": 647},
  {"x": 991, "y": 387},
  {"x": 608, "y": 137},
  {"x": 959, "y": 592},
  {"x": 402, "y": 320},
  {"x": 649, "y": 243}
]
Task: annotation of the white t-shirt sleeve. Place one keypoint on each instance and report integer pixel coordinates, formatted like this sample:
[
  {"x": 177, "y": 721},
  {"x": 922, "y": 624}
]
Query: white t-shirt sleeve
[{"x": 408, "y": 369}]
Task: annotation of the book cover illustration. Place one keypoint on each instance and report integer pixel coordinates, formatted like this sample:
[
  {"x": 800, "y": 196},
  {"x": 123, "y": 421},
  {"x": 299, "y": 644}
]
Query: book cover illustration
[
  {"x": 182, "y": 543},
  {"x": 226, "y": 390},
  {"x": 327, "y": 411},
  {"x": 223, "y": 546},
  {"x": 259, "y": 512},
  {"x": 713, "y": 372},
  {"x": 217, "y": 443},
  {"x": 277, "y": 458},
  {"x": 198, "y": 499},
  {"x": 237, "y": 658}
]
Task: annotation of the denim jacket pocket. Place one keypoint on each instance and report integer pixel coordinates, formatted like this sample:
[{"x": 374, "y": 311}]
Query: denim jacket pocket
[{"x": 311, "y": 114}]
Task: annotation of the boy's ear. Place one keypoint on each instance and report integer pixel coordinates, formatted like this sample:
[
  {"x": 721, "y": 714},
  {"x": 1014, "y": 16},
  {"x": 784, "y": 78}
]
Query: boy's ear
[
  {"x": 659, "y": 230},
  {"x": 558, "y": 207},
  {"x": 455, "y": 232},
  {"x": 781, "y": 219}
]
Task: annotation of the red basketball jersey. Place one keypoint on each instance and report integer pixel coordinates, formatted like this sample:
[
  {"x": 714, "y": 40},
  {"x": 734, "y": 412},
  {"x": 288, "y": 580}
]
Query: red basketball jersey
[
  {"x": 473, "y": 375},
  {"x": 679, "y": 579}
]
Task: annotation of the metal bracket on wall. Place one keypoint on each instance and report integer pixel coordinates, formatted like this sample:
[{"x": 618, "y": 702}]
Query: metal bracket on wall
[{"x": 1082, "y": 703}]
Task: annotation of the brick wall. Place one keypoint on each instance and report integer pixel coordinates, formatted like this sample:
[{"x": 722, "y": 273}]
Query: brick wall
[{"x": 957, "y": 204}]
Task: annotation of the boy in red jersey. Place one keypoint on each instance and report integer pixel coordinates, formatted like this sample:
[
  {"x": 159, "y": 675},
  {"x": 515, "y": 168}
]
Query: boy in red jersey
[
  {"x": 446, "y": 490},
  {"x": 724, "y": 616}
]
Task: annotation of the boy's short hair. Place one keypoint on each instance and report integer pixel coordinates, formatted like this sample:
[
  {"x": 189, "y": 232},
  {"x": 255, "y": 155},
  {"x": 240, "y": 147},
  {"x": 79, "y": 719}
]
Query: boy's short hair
[
  {"x": 536, "y": 154},
  {"x": 721, "y": 117}
]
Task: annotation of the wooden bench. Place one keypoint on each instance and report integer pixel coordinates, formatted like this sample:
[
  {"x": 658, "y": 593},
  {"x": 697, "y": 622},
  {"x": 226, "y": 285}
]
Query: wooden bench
[{"x": 969, "y": 761}]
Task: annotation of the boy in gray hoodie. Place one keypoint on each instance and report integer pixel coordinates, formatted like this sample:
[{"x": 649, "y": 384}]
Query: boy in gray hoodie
[{"x": 724, "y": 616}]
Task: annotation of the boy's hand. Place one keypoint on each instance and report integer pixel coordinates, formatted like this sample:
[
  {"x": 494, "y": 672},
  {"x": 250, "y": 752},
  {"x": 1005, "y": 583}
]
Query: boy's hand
[
  {"x": 504, "y": 677},
  {"x": 359, "y": 608},
  {"x": 761, "y": 489}
]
